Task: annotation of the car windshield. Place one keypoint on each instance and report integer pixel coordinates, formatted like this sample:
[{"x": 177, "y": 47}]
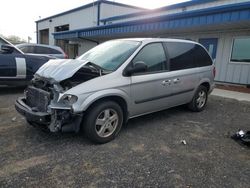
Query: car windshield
[{"x": 110, "y": 55}]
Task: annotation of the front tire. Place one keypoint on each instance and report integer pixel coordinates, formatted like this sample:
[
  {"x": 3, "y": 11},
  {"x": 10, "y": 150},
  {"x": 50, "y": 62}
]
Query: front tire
[
  {"x": 199, "y": 100},
  {"x": 103, "y": 122}
]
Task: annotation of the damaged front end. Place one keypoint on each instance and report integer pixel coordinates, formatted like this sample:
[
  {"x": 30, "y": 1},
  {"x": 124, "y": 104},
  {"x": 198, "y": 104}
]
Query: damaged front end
[
  {"x": 41, "y": 107},
  {"x": 45, "y": 102}
]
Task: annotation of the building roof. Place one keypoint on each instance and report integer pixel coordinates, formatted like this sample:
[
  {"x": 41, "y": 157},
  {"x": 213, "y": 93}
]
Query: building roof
[
  {"x": 90, "y": 5},
  {"x": 169, "y": 7},
  {"x": 209, "y": 16}
]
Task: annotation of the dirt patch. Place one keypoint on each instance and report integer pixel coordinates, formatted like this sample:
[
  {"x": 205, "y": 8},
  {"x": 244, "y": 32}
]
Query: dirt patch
[
  {"x": 165, "y": 149},
  {"x": 4, "y": 110},
  {"x": 19, "y": 166},
  {"x": 8, "y": 127},
  {"x": 91, "y": 169},
  {"x": 138, "y": 147}
]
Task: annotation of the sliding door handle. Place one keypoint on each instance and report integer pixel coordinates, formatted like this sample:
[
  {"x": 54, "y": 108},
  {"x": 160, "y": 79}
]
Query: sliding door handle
[
  {"x": 176, "y": 80},
  {"x": 166, "y": 82}
]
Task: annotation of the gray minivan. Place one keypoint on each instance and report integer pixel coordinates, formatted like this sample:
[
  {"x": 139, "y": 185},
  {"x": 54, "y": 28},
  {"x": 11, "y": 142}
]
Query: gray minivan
[{"x": 115, "y": 81}]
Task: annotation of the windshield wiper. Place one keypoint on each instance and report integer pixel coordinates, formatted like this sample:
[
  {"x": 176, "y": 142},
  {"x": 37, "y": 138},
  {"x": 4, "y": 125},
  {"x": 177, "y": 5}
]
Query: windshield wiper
[{"x": 96, "y": 67}]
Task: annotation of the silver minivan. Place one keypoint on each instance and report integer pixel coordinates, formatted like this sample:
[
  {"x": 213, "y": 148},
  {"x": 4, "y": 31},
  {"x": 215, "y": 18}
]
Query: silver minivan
[{"x": 116, "y": 81}]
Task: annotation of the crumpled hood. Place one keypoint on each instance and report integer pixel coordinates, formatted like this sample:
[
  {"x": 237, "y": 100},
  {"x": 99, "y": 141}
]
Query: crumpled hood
[{"x": 60, "y": 69}]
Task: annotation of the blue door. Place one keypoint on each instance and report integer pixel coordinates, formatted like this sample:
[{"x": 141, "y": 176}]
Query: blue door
[{"x": 211, "y": 45}]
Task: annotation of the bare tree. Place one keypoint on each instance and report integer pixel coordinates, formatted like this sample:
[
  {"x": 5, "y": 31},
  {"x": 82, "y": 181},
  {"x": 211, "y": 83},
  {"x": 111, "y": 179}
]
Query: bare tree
[{"x": 15, "y": 39}]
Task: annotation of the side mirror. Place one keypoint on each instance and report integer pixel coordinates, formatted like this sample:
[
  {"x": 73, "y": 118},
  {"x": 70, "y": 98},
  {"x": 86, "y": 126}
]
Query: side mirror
[
  {"x": 7, "y": 48},
  {"x": 139, "y": 66}
]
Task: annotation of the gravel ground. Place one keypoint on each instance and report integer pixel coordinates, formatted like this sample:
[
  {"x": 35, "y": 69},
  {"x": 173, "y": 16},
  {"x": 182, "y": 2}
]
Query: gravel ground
[{"x": 147, "y": 153}]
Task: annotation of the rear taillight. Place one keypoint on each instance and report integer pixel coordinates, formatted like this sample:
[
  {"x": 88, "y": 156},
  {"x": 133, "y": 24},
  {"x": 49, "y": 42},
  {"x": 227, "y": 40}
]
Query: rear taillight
[
  {"x": 214, "y": 72},
  {"x": 66, "y": 56}
]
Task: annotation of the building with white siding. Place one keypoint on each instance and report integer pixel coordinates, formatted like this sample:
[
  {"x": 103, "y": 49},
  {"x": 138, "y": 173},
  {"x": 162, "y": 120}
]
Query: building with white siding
[
  {"x": 222, "y": 26},
  {"x": 85, "y": 16}
]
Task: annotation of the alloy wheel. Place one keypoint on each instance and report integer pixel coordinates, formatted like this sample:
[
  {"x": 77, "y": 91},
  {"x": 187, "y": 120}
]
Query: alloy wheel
[{"x": 106, "y": 123}]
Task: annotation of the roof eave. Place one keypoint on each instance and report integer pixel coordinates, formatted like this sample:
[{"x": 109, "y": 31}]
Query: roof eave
[{"x": 169, "y": 7}]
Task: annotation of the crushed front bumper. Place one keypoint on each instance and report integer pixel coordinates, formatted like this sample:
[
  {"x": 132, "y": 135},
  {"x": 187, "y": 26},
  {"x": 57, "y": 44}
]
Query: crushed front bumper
[
  {"x": 60, "y": 120},
  {"x": 31, "y": 116}
]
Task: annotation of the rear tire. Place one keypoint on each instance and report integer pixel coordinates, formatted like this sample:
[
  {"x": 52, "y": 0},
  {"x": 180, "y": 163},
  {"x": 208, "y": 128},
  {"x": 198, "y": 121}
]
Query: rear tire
[
  {"x": 103, "y": 122},
  {"x": 199, "y": 100}
]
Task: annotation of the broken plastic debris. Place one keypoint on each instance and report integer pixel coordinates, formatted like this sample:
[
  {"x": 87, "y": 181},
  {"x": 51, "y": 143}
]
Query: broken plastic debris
[
  {"x": 243, "y": 137},
  {"x": 171, "y": 171},
  {"x": 240, "y": 133},
  {"x": 184, "y": 142},
  {"x": 13, "y": 119}
]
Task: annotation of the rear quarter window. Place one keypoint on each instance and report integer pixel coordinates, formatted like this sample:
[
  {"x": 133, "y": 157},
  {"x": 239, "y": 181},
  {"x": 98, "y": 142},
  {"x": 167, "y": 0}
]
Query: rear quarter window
[
  {"x": 27, "y": 49},
  {"x": 202, "y": 58},
  {"x": 186, "y": 55},
  {"x": 46, "y": 50}
]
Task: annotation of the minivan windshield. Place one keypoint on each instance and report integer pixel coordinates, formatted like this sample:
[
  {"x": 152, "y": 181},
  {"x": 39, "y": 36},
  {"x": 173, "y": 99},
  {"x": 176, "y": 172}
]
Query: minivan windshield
[{"x": 110, "y": 55}]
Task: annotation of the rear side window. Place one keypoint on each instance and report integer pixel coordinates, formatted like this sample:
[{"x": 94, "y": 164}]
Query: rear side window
[
  {"x": 186, "y": 56},
  {"x": 45, "y": 50},
  {"x": 23, "y": 49},
  {"x": 27, "y": 49},
  {"x": 202, "y": 58},
  {"x": 153, "y": 56}
]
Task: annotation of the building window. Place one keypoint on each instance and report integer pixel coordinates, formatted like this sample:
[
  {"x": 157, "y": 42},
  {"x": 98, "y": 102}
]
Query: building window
[
  {"x": 240, "y": 50},
  {"x": 62, "y": 28}
]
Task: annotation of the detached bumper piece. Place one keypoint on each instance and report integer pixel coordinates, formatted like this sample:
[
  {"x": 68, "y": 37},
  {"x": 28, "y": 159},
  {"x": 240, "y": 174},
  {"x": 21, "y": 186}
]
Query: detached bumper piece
[{"x": 29, "y": 114}]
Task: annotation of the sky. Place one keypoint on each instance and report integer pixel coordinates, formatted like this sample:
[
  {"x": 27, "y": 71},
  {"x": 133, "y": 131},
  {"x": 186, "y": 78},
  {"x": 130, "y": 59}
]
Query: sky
[{"x": 17, "y": 17}]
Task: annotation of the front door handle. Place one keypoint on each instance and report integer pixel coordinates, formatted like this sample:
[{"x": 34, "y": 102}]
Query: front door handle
[
  {"x": 176, "y": 80},
  {"x": 166, "y": 82}
]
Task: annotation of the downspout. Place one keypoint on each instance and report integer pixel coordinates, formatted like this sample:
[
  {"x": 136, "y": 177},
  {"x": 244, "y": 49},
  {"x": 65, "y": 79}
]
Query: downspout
[
  {"x": 98, "y": 12},
  {"x": 37, "y": 33}
]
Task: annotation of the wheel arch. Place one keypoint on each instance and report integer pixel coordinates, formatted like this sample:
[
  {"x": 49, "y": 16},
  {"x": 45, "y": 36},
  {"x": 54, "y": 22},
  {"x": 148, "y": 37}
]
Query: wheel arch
[
  {"x": 115, "y": 95},
  {"x": 118, "y": 99},
  {"x": 207, "y": 85}
]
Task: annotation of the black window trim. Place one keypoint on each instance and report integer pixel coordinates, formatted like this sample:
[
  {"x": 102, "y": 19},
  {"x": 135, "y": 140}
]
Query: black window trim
[
  {"x": 154, "y": 72},
  {"x": 167, "y": 55}
]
